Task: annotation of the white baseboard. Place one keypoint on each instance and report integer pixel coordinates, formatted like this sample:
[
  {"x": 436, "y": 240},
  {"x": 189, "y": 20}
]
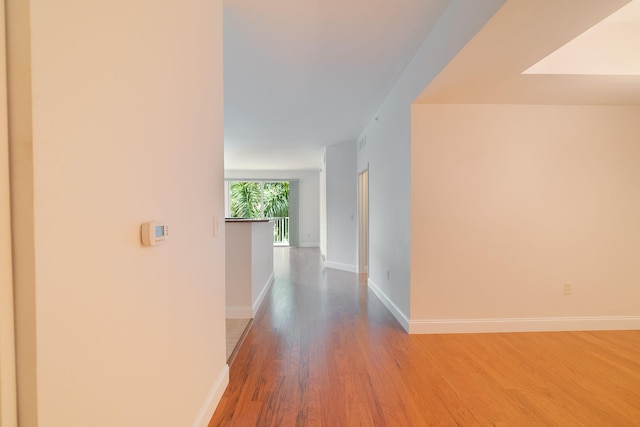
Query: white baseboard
[
  {"x": 239, "y": 312},
  {"x": 338, "y": 266},
  {"x": 260, "y": 299},
  {"x": 213, "y": 398},
  {"x": 309, "y": 245},
  {"x": 247, "y": 311},
  {"x": 394, "y": 309},
  {"x": 542, "y": 324}
]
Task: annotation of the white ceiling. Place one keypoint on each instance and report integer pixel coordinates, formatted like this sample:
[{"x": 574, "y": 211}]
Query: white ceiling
[{"x": 303, "y": 74}]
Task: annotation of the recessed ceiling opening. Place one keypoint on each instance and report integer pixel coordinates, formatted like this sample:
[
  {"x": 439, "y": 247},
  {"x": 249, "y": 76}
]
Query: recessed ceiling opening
[{"x": 610, "y": 47}]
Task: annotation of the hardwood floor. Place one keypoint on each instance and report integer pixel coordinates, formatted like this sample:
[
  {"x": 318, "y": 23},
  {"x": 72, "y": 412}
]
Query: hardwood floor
[{"x": 323, "y": 351}]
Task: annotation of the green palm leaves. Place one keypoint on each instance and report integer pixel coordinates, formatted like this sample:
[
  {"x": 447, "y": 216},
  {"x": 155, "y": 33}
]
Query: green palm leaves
[
  {"x": 245, "y": 200},
  {"x": 276, "y": 199},
  {"x": 259, "y": 200}
]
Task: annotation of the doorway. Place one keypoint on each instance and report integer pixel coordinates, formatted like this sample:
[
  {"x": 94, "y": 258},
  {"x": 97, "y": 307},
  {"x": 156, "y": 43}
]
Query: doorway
[{"x": 363, "y": 222}]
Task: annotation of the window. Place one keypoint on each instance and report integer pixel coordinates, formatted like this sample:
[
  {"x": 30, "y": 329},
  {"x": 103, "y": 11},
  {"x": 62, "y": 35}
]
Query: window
[{"x": 260, "y": 199}]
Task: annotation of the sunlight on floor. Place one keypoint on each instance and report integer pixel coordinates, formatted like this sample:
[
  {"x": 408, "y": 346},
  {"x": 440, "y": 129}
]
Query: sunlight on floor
[{"x": 235, "y": 328}]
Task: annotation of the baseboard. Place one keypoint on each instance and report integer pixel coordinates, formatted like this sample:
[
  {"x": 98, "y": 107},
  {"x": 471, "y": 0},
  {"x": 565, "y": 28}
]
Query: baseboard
[
  {"x": 239, "y": 312},
  {"x": 246, "y": 311},
  {"x": 260, "y": 299},
  {"x": 338, "y": 266},
  {"x": 213, "y": 398},
  {"x": 309, "y": 245},
  {"x": 542, "y": 324},
  {"x": 394, "y": 309}
]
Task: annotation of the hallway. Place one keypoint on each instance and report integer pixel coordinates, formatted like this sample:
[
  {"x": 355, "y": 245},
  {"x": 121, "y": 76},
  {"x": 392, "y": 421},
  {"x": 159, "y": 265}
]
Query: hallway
[{"x": 323, "y": 351}]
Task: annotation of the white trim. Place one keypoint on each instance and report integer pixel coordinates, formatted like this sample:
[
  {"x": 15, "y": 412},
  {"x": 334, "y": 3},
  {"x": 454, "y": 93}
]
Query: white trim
[
  {"x": 239, "y": 312},
  {"x": 309, "y": 245},
  {"x": 213, "y": 398},
  {"x": 536, "y": 324},
  {"x": 394, "y": 309},
  {"x": 260, "y": 299},
  {"x": 339, "y": 266},
  {"x": 246, "y": 311}
]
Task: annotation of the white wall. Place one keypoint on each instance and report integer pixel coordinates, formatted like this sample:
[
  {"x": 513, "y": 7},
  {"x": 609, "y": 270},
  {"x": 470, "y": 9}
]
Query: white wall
[
  {"x": 342, "y": 206},
  {"x": 511, "y": 202},
  {"x": 261, "y": 262},
  {"x": 249, "y": 266},
  {"x": 126, "y": 127},
  {"x": 309, "y": 198},
  {"x": 237, "y": 272},
  {"x": 323, "y": 206},
  {"x": 386, "y": 147}
]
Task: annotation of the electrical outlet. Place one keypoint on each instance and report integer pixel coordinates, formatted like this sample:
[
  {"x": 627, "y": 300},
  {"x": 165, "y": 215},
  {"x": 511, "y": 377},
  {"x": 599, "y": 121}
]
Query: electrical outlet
[{"x": 567, "y": 288}]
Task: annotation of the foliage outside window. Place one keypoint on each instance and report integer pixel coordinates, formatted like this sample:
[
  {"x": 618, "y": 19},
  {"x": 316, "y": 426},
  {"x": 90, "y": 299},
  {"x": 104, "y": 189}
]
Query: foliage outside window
[
  {"x": 262, "y": 200},
  {"x": 245, "y": 200},
  {"x": 276, "y": 199},
  {"x": 258, "y": 199}
]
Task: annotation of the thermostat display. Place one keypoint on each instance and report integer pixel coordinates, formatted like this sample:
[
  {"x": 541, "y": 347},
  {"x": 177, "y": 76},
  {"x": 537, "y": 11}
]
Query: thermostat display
[{"x": 154, "y": 233}]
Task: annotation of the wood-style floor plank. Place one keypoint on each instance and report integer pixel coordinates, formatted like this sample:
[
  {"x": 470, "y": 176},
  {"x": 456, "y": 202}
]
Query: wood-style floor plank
[{"x": 324, "y": 351}]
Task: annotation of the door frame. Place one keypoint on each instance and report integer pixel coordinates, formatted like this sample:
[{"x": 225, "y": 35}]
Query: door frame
[{"x": 363, "y": 221}]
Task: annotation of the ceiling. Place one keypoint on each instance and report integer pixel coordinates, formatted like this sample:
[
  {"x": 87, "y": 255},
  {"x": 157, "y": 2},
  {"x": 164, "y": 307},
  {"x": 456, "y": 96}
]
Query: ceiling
[
  {"x": 304, "y": 74},
  {"x": 611, "y": 47},
  {"x": 489, "y": 69}
]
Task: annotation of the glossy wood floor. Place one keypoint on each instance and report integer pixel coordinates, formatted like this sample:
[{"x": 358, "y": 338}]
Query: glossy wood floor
[{"x": 323, "y": 351}]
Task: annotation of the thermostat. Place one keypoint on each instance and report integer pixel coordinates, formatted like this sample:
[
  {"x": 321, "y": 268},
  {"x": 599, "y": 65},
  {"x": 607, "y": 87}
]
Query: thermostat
[{"x": 154, "y": 233}]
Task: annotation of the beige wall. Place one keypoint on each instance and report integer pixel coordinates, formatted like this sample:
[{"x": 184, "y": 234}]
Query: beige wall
[
  {"x": 127, "y": 128},
  {"x": 8, "y": 414},
  {"x": 22, "y": 208},
  {"x": 510, "y": 202}
]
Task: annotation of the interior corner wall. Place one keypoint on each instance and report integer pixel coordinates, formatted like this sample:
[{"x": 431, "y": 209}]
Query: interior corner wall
[
  {"x": 342, "y": 206},
  {"x": 386, "y": 148},
  {"x": 309, "y": 199},
  {"x": 125, "y": 126},
  {"x": 19, "y": 106},
  {"x": 512, "y": 202},
  {"x": 8, "y": 391}
]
